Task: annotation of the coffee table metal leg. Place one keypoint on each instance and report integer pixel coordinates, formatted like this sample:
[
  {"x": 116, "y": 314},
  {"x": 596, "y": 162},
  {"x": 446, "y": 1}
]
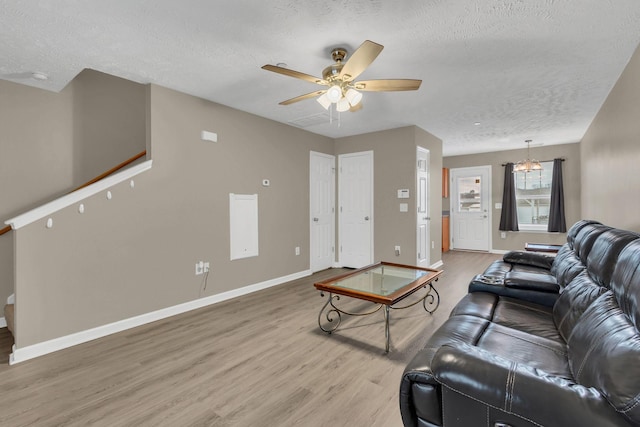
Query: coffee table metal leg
[
  {"x": 332, "y": 314},
  {"x": 386, "y": 328},
  {"x": 433, "y": 298}
]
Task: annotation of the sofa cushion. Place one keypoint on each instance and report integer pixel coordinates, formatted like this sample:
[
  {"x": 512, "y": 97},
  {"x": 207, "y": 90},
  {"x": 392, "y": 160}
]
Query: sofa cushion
[
  {"x": 575, "y": 229},
  {"x": 566, "y": 266},
  {"x": 527, "y": 317},
  {"x": 522, "y": 347},
  {"x": 604, "y": 350},
  {"x": 478, "y": 304},
  {"x": 540, "y": 282},
  {"x": 513, "y": 313},
  {"x": 576, "y": 298},
  {"x": 498, "y": 268},
  {"x": 585, "y": 238},
  {"x": 603, "y": 255},
  {"x": 625, "y": 282}
]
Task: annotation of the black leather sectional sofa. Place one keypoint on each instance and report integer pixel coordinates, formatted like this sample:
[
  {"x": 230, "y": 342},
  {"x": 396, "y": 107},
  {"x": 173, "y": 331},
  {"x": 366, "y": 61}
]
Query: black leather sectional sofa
[{"x": 539, "y": 341}]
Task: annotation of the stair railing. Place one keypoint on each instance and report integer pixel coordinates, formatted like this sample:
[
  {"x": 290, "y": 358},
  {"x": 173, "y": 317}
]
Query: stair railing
[{"x": 94, "y": 180}]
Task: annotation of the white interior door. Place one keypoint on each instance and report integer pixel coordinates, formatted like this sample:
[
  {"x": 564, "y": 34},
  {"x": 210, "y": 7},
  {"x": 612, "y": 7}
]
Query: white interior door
[
  {"x": 356, "y": 209},
  {"x": 470, "y": 210},
  {"x": 322, "y": 210},
  {"x": 422, "y": 201}
]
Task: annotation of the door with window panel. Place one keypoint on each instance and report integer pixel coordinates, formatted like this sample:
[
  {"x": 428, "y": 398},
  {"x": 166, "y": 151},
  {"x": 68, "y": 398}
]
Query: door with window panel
[{"x": 470, "y": 213}]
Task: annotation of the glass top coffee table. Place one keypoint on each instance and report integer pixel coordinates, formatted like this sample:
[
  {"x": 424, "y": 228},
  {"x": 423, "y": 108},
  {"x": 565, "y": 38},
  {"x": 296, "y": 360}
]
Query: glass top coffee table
[{"x": 384, "y": 284}]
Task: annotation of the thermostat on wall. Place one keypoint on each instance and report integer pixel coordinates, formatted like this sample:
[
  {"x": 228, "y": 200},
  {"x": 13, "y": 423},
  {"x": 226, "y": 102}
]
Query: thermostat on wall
[{"x": 403, "y": 193}]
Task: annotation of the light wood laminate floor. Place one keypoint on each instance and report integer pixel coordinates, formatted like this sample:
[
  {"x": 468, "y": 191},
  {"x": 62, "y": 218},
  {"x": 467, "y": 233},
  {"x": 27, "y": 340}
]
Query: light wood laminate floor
[{"x": 257, "y": 360}]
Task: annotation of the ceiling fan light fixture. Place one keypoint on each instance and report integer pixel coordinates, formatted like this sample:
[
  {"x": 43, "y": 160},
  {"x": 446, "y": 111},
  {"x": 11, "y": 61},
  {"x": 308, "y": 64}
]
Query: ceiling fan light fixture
[
  {"x": 334, "y": 93},
  {"x": 343, "y": 105},
  {"x": 324, "y": 101},
  {"x": 353, "y": 96},
  {"x": 339, "y": 79}
]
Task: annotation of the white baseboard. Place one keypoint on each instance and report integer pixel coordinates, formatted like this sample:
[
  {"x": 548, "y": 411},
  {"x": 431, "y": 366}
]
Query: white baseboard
[
  {"x": 29, "y": 352},
  {"x": 3, "y": 322},
  {"x": 437, "y": 265}
]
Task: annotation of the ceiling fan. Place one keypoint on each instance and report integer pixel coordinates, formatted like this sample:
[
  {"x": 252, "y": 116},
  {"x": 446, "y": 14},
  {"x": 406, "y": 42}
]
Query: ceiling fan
[{"x": 343, "y": 90}]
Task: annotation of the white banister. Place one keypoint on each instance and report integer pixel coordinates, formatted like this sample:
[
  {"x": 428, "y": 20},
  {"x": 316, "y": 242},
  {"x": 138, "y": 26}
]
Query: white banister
[{"x": 71, "y": 198}]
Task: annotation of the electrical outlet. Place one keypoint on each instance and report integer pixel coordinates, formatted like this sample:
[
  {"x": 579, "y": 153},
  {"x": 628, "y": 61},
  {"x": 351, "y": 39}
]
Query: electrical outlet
[
  {"x": 199, "y": 268},
  {"x": 503, "y": 234},
  {"x": 433, "y": 244},
  {"x": 297, "y": 250},
  {"x": 206, "y": 267},
  {"x": 397, "y": 248}
]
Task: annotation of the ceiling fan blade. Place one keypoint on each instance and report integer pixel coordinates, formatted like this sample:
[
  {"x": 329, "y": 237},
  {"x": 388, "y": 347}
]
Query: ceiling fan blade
[
  {"x": 387, "y": 85},
  {"x": 296, "y": 74},
  {"x": 360, "y": 60},
  {"x": 303, "y": 97}
]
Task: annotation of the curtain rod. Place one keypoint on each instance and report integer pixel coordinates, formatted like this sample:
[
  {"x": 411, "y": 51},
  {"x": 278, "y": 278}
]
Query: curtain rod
[{"x": 561, "y": 159}]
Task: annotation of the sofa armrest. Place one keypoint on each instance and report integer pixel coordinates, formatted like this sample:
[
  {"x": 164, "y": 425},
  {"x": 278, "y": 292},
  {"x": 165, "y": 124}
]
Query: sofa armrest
[
  {"x": 521, "y": 390},
  {"x": 533, "y": 259},
  {"x": 419, "y": 391}
]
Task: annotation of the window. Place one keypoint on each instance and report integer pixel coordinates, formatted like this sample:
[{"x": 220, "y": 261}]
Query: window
[
  {"x": 533, "y": 197},
  {"x": 469, "y": 194}
]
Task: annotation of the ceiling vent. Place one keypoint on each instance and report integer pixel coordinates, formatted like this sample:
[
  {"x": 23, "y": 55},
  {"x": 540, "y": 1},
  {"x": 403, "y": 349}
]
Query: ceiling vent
[{"x": 312, "y": 120}]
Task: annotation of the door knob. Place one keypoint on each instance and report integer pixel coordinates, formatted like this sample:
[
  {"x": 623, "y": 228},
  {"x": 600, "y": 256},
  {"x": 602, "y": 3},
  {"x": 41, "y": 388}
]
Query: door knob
[
  {"x": 366, "y": 218},
  {"x": 484, "y": 216},
  {"x": 315, "y": 219}
]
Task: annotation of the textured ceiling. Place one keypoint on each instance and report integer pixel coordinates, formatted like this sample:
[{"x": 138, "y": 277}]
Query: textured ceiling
[{"x": 537, "y": 69}]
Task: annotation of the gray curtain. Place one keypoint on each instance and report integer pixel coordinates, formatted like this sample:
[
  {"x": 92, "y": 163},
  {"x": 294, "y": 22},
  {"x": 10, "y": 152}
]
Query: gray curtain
[
  {"x": 557, "y": 220},
  {"x": 509, "y": 215}
]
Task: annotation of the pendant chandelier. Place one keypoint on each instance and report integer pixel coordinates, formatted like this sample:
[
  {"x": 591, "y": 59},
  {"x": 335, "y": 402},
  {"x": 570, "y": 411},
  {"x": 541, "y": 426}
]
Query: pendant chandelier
[{"x": 527, "y": 165}]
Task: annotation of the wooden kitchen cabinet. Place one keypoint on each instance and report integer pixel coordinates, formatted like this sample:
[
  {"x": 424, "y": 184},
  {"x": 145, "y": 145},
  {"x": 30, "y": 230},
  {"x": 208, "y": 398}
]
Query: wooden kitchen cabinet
[
  {"x": 445, "y": 182},
  {"x": 445, "y": 234}
]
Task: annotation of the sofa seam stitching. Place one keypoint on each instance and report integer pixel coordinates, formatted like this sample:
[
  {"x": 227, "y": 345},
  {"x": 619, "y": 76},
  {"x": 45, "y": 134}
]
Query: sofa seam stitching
[
  {"x": 559, "y": 352},
  {"x": 487, "y": 404}
]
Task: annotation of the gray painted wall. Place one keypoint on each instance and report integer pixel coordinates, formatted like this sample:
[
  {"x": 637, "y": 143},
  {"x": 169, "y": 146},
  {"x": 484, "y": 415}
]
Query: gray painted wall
[
  {"x": 51, "y": 143},
  {"x": 571, "y": 174},
  {"x": 109, "y": 123},
  {"x": 394, "y": 168},
  {"x": 136, "y": 253},
  {"x": 610, "y": 154}
]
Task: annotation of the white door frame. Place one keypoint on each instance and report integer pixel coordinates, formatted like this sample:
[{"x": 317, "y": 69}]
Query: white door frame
[
  {"x": 364, "y": 217},
  {"x": 454, "y": 172},
  {"x": 423, "y": 213},
  {"x": 315, "y": 218}
]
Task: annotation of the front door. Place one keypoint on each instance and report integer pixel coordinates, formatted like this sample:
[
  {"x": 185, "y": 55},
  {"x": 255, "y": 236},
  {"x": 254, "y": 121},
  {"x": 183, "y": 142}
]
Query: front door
[
  {"x": 356, "y": 209},
  {"x": 470, "y": 210},
  {"x": 322, "y": 221}
]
